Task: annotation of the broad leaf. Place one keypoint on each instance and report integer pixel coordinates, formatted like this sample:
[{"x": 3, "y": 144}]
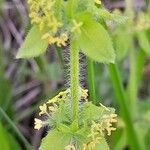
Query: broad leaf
[
  {"x": 33, "y": 45},
  {"x": 95, "y": 42},
  {"x": 55, "y": 140},
  {"x": 91, "y": 112},
  {"x": 102, "y": 145}
]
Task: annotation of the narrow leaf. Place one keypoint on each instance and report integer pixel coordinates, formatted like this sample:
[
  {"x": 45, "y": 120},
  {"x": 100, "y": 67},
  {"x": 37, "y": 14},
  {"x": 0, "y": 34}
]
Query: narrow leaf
[
  {"x": 55, "y": 140},
  {"x": 4, "y": 145},
  {"x": 144, "y": 42}
]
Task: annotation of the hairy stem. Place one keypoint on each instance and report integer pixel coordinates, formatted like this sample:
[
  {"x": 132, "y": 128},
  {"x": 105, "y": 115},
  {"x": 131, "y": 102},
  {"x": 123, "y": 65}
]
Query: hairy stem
[
  {"x": 74, "y": 77},
  {"x": 91, "y": 84}
]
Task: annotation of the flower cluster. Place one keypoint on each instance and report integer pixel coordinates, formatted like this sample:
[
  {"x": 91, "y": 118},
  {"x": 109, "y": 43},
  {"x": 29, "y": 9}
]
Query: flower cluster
[
  {"x": 98, "y": 128},
  {"x": 53, "y": 104},
  {"x": 42, "y": 14}
]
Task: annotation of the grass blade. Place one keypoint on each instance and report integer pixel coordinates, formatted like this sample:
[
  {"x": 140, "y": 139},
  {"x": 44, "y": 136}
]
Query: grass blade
[
  {"x": 121, "y": 100},
  {"x": 13, "y": 126}
]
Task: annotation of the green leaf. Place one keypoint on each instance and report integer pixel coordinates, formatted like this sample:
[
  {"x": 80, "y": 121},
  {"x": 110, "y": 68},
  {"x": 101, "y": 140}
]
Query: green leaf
[
  {"x": 74, "y": 126},
  {"x": 95, "y": 42},
  {"x": 70, "y": 8},
  {"x": 92, "y": 112},
  {"x": 13, "y": 143},
  {"x": 55, "y": 140},
  {"x": 7, "y": 141},
  {"x": 63, "y": 128},
  {"x": 33, "y": 45},
  {"x": 147, "y": 139},
  {"x": 121, "y": 40},
  {"x": 118, "y": 139},
  {"x": 142, "y": 128},
  {"x": 144, "y": 42},
  {"x": 4, "y": 144},
  {"x": 5, "y": 91},
  {"x": 103, "y": 145}
]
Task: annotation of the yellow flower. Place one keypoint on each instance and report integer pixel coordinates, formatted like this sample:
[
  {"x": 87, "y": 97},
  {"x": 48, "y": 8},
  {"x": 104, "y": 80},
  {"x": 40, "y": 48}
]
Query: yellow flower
[
  {"x": 70, "y": 147},
  {"x": 98, "y": 2},
  {"x": 104, "y": 107},
  {"x": 84, "y": 94},
  {"x": 43, "y": 109},
  {"x": 52, "y": 108},
  {"x": 97, "y": 129},
  {"x": 62, "y": 40},
  {"x": 76, "y": 26},
  {"x": 37, "y": 124},
  {"x": 54, "y": 24},
  {"x": 42, "y": 14},
  {"x": 107, "y": 123},
  {"x": 60, "y": 97}
]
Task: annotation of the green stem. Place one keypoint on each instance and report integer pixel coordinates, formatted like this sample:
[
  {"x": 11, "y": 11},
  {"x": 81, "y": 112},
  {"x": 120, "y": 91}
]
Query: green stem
[
  {"x": 59, "y": 53},
  {"x": 13, "y": 126},
  {"x": 121, "y": 99},
  {"x": 140, "y": 64},
  {"x": 132, "y": 87},
  {"x": 74, "y": 77},
  {"x": 91, "y": 84},
  {"x": 41, "y": 62}
]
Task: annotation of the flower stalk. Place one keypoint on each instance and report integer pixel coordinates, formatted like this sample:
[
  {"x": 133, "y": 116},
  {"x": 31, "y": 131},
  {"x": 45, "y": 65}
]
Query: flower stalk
[{"x": 91, "y": 84}]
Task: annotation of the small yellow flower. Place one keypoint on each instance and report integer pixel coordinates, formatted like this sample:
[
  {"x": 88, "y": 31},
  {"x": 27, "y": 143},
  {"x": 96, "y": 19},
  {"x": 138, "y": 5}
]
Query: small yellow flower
[
  {"x": 54, "y": 24},
  {"x": 62, "y": 40},
  {"x": 98, "y": 2},
  {"x": 42, "y": 14},
  {"x": 43, "y": 109},
  {"x": 60, "y": 97},
  {"x": 84, "y": 94},
  {"x": 97, "y": 129},
  {"x": 107, "y": 123},
  {"x": 104, "y": 107},
  {"x": 52, "y": 108},
  {"x": 70, "y": 147},
  {"x": 37, "y": 124},
  {"x": 76, "y": 26}
]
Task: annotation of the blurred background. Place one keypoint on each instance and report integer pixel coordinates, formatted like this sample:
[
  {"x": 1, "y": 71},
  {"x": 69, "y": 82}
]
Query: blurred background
[{"x": 25, "y": 84}]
